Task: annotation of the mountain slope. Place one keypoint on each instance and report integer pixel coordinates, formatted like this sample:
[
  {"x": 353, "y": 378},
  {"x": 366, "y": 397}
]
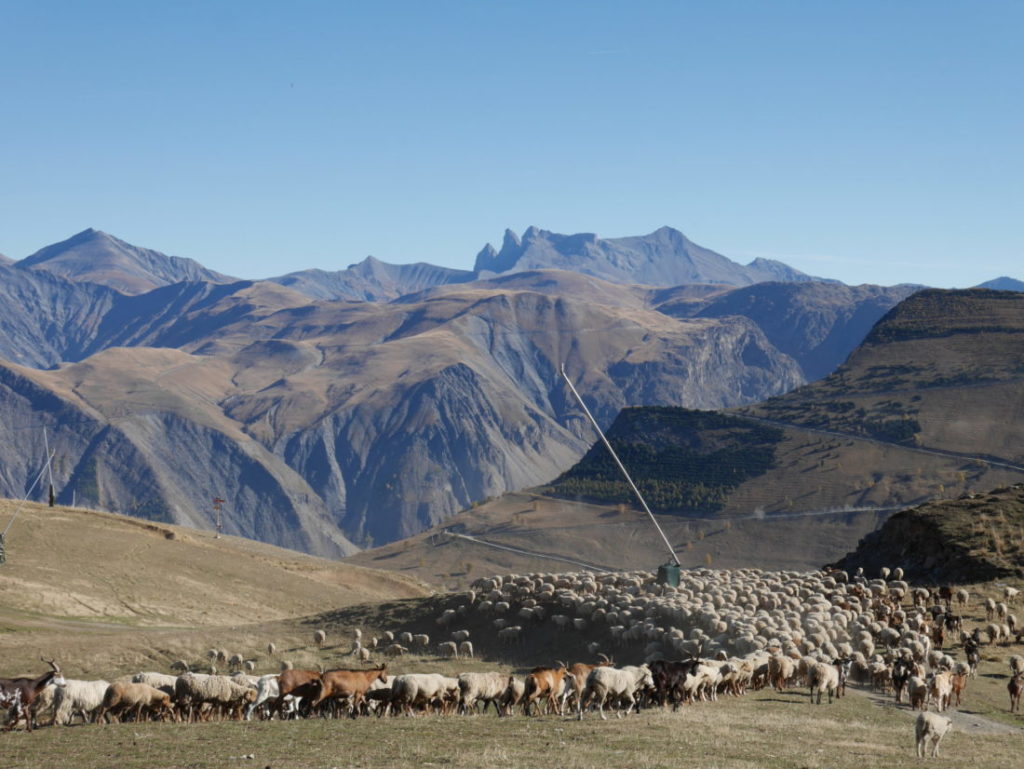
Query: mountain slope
[
  {"x": 1003, "y": 284},
  {"x": 139, "y": 431},
  {"x": 326, "y": 422},
  {"x": 817, "y": 324},
  {"x": 942, "y": 370},
  {"x": 929, "y": 406},
  {"x": 118, "y": 568},
  {"x": 47, "y": 318},
  {"x": 96, "y": 257}
]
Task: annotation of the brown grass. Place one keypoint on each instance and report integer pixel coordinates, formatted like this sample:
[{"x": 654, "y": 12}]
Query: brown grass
[{"x": 102, "y": 592}]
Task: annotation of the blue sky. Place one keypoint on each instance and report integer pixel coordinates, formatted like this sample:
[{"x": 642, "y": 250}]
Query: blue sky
[{"x": 866, "y": 141}]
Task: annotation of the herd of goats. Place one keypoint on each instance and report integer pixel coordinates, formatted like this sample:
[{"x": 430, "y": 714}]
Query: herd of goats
[{"x": 715, "y": 633}]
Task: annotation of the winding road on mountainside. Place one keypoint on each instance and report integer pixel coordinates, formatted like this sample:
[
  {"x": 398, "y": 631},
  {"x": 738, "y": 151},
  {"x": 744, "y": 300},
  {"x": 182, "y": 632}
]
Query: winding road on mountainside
[
  {"x": 921, "y": 450},
  {"x": 576, "y": 562},
  {"x": 529, "y": 553}
]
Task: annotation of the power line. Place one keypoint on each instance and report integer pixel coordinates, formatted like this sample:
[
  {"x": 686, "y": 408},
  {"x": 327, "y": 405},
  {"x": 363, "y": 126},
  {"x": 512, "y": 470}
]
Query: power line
[{"x": 622, "y": 467}]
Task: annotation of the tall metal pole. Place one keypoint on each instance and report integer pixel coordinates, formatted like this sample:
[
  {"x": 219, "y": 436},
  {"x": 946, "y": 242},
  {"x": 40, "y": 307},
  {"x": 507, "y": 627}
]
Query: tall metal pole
[
  {"x": 622, "y": 467},
  {"x": 49, "y": 468}
]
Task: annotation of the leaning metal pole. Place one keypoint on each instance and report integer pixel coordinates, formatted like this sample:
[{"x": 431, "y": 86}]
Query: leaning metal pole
[{"x": 622, "y": 467}]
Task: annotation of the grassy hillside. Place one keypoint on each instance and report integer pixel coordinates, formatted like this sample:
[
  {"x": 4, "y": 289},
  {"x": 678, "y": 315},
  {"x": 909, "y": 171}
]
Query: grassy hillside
[
  {"x": 682, "y": 460},
  {"x": 532, "y": 532},
  {"x": 85, "y": 585},
  {"x": 942, "y": 370}
]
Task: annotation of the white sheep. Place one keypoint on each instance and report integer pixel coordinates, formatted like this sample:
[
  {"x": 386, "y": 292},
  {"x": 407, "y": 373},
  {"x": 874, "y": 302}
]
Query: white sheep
[
  {"x": 320, "y": 638},
  {"x": 161, "y": 681},
  {"x": 481, "y": 687},
  {"x": 448, "y": 649},
  {"x": 466, "y": 649},
  {"x": 929, "y": 729},
  {"x": 823, "y": 677},
  {"x": 82, "y": 698},
  {"x": 990, "y": 608},
  {"x": 1016, "y": 663},
  {"x": 44, "y": 706},
  {"x": 605, "y": 684},
  {"x": 193, "y": 689},
  {"x": 423, "y": 689}
]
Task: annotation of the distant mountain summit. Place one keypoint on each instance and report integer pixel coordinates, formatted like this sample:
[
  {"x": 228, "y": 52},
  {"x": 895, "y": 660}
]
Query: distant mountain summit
[
  {"x": 1003, "y": 284},
  {"x": 95, "y": 257},
  {"x": 666, "y": 257},
  {"x": 372, "y": 280}
]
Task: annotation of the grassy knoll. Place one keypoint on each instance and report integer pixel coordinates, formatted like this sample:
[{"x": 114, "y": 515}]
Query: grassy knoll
[{"x": 978, "y": 537}]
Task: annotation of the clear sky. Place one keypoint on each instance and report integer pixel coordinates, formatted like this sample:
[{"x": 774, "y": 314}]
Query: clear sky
[{"x": 873, "y": 142}]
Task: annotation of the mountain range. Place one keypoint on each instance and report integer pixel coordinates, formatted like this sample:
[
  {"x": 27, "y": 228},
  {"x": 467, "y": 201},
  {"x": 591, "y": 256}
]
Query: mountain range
[{"x": 337, "y": 410}]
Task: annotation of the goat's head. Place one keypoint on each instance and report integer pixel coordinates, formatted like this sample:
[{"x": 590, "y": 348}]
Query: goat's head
[{"x": 58, "y": 677}]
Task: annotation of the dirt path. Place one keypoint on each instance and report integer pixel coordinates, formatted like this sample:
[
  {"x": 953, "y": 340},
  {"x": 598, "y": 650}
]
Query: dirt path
[{"x": 964, "y": 719}]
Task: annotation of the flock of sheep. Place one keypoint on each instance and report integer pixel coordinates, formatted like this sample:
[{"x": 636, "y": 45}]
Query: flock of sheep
[{"x": 729, "y": 630}]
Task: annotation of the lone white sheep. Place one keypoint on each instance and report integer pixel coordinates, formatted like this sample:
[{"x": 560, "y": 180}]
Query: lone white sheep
[{"x": 929, "y": 730}]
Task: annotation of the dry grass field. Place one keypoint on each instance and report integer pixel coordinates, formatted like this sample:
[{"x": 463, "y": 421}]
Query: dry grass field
[{"x": 764, "y": 729}]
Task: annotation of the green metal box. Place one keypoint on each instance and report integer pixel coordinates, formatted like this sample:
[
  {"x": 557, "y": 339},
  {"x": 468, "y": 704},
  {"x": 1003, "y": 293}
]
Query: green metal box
[{"x": 668, "y": 574}]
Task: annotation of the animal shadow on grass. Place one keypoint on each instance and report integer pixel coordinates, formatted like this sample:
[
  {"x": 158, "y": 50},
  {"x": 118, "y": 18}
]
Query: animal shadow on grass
[{"x": 791, "y": 701}]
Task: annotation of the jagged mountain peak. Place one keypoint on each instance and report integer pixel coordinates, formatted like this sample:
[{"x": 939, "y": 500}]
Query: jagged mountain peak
[{"x": 665, "y": 257}]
